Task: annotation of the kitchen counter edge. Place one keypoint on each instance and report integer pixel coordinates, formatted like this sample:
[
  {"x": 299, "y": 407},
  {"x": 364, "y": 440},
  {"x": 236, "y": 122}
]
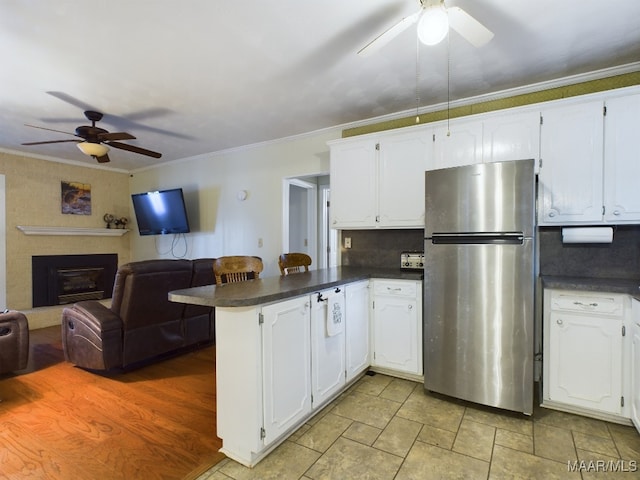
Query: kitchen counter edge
[
  {"x": 273, "y": 289},
  {"x": 610, "y": 285}
]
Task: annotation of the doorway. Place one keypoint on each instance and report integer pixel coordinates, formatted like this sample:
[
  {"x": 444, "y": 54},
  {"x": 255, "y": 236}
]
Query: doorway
[{"x": 306, "y": 220}]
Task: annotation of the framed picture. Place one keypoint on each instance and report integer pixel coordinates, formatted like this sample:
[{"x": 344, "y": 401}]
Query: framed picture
[{"x": 76, "y": 198}]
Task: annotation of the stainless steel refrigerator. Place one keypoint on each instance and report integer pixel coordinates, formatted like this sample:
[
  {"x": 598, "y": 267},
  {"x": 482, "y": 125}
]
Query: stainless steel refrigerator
[{"x": 479, "y": 283}]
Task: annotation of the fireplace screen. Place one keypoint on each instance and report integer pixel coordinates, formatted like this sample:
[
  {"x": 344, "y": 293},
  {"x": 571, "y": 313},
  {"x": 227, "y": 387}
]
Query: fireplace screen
[
  {"x": 62, "y": 279},
  {"x": 75, "y": 284}
]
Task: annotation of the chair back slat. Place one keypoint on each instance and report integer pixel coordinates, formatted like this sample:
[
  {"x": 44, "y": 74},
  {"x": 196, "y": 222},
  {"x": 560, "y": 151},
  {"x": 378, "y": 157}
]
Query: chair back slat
[
  {"x": 236, "y": 268},
  {"x": 294, "y": 263}
]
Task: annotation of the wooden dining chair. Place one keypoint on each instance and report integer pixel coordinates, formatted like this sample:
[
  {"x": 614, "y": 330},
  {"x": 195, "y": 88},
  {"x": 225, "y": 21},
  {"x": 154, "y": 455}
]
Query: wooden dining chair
[
  {"x": 236, "y": 268},
  {"x": 294, "y": 263}
]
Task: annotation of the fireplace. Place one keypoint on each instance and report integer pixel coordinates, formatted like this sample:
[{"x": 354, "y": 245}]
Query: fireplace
[{"x": 63, "y": 279}]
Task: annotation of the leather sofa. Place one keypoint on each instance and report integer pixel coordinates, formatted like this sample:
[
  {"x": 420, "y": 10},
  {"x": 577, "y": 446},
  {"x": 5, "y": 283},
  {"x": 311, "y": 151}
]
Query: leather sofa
[
  {"x": 14, "y": 341},
  {"x": 141, "y": 325}
]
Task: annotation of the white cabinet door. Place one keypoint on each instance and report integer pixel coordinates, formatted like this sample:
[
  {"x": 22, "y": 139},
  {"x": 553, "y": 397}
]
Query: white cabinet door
[
  {"x": 286, "y": 365},
  {"x": 622, "y": 160},
  {"x": 586, "y": 361},
  {"x": 571, "y": 149},
  {"x": 397, "y": 326},
  {"x": 403, "y": 159},
  {"x": 354, "y": 179},
  {"x": 635, "y": 364},
  {"x": 459, "y": 144},
  {"x": 357, "y": 329},
  {"x": 328, "y": 322},
  {"x": 511, "y": 136}
]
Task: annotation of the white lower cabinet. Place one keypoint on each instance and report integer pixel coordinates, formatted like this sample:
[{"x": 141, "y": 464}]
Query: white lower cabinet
[
  {"x": 635, "y": 363},
  {"x": 278, "y": 363},
  {"x": 585, "y": 351},
  {"x": 357, "y": 350},
  {"x": 397, "y": 325},
  {"x": 328, "y": 322},
  {"x": 286, "y": 353}
]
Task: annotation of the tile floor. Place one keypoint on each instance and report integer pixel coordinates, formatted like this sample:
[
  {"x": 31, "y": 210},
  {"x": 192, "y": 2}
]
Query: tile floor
[{"x": 388, "y": 428}]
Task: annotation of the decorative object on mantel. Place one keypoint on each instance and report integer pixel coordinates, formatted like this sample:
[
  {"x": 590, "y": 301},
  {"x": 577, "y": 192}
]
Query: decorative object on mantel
[
  {"x": 121, "y": 222},
  {"x": 108, "y": 219},
  {"x": 72, "y": 231},
  {"x": 76, "y": 198}
]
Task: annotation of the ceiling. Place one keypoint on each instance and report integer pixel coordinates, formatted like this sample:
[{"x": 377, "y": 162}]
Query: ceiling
[{"x": 190, "y": 78}]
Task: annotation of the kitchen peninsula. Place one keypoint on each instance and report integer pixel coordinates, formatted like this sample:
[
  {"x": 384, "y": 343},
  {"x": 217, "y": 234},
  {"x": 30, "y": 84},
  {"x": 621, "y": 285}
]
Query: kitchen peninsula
[{"x": 286, "y": 346}]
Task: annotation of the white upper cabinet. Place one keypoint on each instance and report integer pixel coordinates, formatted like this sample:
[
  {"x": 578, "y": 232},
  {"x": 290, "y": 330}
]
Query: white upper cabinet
[
  {"x": 378, "y": 180},
  {"x": 622, "y": 160},
  {"x": 354, "y": 181},
  {"x": 570, "y": 180},
  {"x": 403, "y": 159},
  {"x": 510, "y": 135},
  {"x": 459, "y": 143},
  {"x": 590, "y": 162}
]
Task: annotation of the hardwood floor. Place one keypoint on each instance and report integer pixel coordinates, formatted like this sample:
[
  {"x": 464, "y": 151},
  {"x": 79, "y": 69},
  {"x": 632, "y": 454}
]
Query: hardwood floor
[{"x": 60, "y": 422}]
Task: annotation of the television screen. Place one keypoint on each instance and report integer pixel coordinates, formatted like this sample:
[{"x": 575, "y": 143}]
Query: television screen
[{"x": 161, "y": 212}]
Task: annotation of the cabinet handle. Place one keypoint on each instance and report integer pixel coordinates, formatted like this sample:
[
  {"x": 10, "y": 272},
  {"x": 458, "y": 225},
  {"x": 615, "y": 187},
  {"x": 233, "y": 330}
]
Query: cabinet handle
[
  {"x": 586, "y": 304},
  {"x": 616, "y": 212},
  {"x": 396, "y": 289},
  {"x": 559, "y": 321},
  {"x": 552, "y": 214},
  {"x": 410, "y": 307}
]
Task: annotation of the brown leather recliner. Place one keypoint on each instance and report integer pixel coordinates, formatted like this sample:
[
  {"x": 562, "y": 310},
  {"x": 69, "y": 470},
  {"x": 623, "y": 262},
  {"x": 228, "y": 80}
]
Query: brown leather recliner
[
  {"x": 14, "y": 341},
  {"x": 142, "y": 324}
]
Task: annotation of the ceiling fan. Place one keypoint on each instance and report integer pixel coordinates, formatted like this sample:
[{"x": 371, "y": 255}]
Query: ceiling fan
[
  {"x": 434, "y": 20},
  {"x": 95, "y": 141}
]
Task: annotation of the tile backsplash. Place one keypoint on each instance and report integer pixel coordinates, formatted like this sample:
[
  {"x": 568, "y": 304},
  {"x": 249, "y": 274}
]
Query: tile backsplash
[
  {"x": 619, "y": 259},
  {"x": 379, "y": 248}
]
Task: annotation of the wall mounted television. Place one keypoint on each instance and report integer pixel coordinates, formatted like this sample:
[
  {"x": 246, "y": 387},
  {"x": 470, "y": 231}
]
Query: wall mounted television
[{"x": 161, "y": 212}]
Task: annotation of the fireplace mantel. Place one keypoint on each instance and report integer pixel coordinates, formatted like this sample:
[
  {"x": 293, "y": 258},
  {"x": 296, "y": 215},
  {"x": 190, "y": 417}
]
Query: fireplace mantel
[{"x": 75, "y": 231}]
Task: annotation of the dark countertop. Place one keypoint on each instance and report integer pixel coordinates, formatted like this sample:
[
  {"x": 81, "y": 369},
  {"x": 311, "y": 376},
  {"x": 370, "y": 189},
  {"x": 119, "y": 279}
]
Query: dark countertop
[
  {"x": 612, "y": 285},
  {"x": 271, "y": 289}
]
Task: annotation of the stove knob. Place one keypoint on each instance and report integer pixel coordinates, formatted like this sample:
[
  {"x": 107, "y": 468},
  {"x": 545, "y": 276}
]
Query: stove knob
[{"x": 421, "y": 264}]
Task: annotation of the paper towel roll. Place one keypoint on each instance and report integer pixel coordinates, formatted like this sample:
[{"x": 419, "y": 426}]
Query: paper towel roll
[{"x": 587, "y": 235}]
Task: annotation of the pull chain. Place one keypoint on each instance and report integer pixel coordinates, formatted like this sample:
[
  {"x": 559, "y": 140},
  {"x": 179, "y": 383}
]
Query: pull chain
[
  {"x": 448, "y": 84},
  {"x": 417, "y": 80}
]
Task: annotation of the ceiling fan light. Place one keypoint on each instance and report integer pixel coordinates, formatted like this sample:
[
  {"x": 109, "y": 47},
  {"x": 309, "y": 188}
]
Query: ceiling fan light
[
  {"x": 433, "y": 25},
  {"x": 93, "y": 149}
]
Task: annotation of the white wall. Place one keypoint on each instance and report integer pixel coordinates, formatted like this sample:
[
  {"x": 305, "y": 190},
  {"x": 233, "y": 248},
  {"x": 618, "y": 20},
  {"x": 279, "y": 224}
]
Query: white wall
[
  {"x": 3, "y": 249},
  {"x": 220, "y": 223}
]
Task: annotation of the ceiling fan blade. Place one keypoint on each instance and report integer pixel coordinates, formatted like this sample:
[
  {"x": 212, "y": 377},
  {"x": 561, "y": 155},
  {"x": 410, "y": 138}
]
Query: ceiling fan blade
[
  {"x": 50, "y": 129},
  {"x": 115, "y": 136},
  {"x": 71, "y": 100},
  {"x": 467, "y": 26},
  {"x": 385, "y": 37},
  {"x": 50, "y": 141},
  {"x": 103, "y": 159},
  {"x": 134, "y": 149}
]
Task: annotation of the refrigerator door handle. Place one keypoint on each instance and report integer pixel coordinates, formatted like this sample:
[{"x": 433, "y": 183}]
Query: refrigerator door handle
[{"x": 508, "y": 238}]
